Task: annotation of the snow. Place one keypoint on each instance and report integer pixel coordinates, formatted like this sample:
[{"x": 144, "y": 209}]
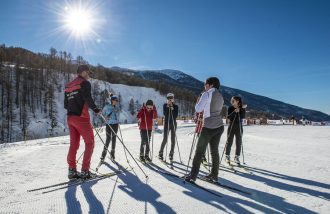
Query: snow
[
  {"x": 174, "y": 74},
  {"x": 291, "y": 175}
]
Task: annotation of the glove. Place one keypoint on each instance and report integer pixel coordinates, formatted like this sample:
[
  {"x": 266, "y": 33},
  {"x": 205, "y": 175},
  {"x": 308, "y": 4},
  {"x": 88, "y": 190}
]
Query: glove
[{"x": 97, "y": 110}]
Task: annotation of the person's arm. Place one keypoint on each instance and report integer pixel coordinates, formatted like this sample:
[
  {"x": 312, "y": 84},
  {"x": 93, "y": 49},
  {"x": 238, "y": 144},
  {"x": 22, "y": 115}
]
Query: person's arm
[
  {"x": 175, "y": 111},
  {"x": 202, "y": 102},
  {"x": 242, "y": 113},
  {"x": 139, "y": 114},
  {"x": 165, "y": 110},
  {"x": 155, "y": 113},
  {"x": 65, "y": 101},
  {"x": 104, "y": 111},
  {"x": 231, "y": 113},
  {"x": 86, "y": 94}
]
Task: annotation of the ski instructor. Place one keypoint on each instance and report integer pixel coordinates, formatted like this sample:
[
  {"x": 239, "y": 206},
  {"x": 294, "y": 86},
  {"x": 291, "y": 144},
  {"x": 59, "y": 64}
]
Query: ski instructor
[
  {"x": 211, "y": 102},
  {"x": 77, "y": 100}
]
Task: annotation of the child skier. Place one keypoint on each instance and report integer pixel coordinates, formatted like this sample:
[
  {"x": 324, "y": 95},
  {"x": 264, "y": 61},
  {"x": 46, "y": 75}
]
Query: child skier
[
  {"x": 111, "y": 113},
  {"x": 236, "y": 113},
  {"x": 146, "y": 117}
]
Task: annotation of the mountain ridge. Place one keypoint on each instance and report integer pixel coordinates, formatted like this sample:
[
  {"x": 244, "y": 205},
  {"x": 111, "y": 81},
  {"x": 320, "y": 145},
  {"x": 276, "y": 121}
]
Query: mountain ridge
[{"x": 256, "y": 103}]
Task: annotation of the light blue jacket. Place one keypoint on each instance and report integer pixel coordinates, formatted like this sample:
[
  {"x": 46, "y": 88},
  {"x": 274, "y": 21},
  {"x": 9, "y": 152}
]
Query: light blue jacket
[{"x": 111, "y": 113}]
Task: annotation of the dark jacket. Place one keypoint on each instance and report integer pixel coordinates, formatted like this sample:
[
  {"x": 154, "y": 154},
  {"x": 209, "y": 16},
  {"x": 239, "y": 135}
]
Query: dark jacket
[
  {"x": 174, "y": 111},
  {"x": 234, "y": 116},
  {"x": 78, "y": 98}
]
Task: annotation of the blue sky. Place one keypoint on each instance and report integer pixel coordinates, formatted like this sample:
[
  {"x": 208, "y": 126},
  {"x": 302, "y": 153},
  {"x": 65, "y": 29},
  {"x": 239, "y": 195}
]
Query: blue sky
[{"x": 275, "y": 48}]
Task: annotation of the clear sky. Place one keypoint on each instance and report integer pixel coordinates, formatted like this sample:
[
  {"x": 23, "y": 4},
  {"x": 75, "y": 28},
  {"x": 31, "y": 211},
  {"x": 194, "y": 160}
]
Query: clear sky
[{"x": 275, "y": 48}]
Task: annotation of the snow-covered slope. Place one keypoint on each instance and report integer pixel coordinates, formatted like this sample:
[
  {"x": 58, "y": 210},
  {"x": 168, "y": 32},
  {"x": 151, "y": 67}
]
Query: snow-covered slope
[{"x": 290, "y": 175}]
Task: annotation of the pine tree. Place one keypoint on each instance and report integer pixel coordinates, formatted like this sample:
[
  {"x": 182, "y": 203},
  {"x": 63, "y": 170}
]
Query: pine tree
[{"x": 131, "y": 106}]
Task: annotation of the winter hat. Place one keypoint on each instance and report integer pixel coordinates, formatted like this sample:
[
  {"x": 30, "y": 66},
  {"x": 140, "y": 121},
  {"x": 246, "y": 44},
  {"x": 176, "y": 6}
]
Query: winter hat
[
  {"x": 149, "y": 103},
  {"x": 170, "y": 95},
  {"x": 114, "y": 97},
  {"x": 82, "y": 68}
]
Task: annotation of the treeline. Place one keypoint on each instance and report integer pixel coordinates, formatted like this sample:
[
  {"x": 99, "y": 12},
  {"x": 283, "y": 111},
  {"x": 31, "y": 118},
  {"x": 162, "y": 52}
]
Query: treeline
[
  {"x": 31, "y": 86},
  {"x": 63, "y": 61}
]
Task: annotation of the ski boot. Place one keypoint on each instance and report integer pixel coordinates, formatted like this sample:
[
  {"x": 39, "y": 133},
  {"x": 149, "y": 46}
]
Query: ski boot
[
  {"x": 210, "y": 178},
  {"x": 236, "y": 160},
  {"x": 189, "y": 178},
  {"x": 112, "y": 155},
  {"x": 147, "y": 159},
  {"x": 142, "y": 159},
  {"x": 161, "y": 157},
  {"x": 170, "y": 157},
  {"x": 228, "y": 160},
  {"x": 86, "y": 174},
  {"x": 73, "y": 174}
]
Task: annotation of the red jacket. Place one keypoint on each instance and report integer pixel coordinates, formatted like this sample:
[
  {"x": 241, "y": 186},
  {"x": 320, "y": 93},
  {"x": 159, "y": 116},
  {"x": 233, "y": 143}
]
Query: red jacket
[
  {"x": 144, "y": 115},
  {"x": 77, "y": 97}
]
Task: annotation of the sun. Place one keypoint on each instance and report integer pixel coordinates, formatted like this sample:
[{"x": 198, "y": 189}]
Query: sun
[{"x": 79, "y": 21}]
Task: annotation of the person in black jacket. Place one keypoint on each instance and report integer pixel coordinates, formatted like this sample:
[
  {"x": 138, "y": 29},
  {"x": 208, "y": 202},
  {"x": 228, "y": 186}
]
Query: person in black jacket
[
  {"x": 77, "y": 101},
  {"x": 170, "y": 110},
  {"x": 236, "y": 113}
]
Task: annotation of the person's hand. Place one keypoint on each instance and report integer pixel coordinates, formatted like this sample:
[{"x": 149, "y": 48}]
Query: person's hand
[
  {"x": 97, "y": 111},
  {"x": 139, "y": 120},
  {"x": 154, "y": 120},
  {"x": 244, "y": 106},
  {"x": 236, "y": 110}
]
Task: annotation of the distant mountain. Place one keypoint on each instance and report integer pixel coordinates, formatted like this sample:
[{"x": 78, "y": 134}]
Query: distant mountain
[{"x": 256, "y": 103}]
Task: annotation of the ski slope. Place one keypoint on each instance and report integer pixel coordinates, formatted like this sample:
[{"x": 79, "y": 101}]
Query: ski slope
[{"x": 290, "y": 174}]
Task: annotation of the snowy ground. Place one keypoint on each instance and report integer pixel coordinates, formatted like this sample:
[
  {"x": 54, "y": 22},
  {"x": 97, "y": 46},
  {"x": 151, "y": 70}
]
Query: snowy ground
[{"x": 291, "y": 175}]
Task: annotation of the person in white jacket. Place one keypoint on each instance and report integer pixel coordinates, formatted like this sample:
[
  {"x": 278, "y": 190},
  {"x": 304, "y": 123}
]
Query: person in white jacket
[{"x": 211, "y": 103}]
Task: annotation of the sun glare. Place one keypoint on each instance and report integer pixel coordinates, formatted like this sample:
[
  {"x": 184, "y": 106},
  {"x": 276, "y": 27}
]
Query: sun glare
[{"x": 79, "y": 21}]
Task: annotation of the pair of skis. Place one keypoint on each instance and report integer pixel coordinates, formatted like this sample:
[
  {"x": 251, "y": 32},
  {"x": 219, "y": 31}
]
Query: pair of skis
[
  {"x": 75, "y": 182},
  {"x": 237, "y": 168},
  {"x": 155, "y": 167}
]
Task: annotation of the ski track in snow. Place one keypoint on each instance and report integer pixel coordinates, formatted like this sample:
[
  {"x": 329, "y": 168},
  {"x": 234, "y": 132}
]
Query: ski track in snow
[{"x": 289, "y": 165}]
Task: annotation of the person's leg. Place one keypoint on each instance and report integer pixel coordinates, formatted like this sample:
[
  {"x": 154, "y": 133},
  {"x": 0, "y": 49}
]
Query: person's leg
[
  {"x": 107, "y": 142},
  {"x": 173, "y": 140},
  {"x": 238, "y": 142},
  {"x": 74, "y": 143},
  {"x": 200, "y": 150},
  {"x": 144, "y": 138},
  {"x": 148, "y": 143},
  {"x": 165, "y": 135},
  {"x": 214, "y": 147},
  {"x": 230, "y": 139},
  {"x": 86, "y": 131},
  {"x": 114, "y": 137}
]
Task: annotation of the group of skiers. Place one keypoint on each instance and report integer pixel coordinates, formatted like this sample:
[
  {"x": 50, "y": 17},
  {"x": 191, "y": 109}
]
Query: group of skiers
[{"x": 208, "y": 119}]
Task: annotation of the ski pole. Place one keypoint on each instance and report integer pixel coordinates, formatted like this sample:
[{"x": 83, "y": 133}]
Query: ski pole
[
  {"x": 98, "y": 134},
  {"x": 121, "y": 136},
  {"x": 124, "y": 146},
  {"x": 148, "y": 140},
  {"x": 228, "y": 134},
  {"x": 176, "y": 139},
  {"x": 193, "y": 144},
  {"x": 208, "y": 156},
  {"x": 152, "y": 141},
  {"x": 168, "y": 130},
  {"x": 241, "y": 135}
]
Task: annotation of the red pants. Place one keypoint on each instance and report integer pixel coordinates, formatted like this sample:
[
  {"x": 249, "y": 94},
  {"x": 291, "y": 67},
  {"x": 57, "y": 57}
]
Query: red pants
[{"x": 80, "y": 126}]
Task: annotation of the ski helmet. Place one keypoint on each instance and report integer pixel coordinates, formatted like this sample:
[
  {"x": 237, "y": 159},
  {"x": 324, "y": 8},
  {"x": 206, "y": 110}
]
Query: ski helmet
[{"x": 170, "y": 95}]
